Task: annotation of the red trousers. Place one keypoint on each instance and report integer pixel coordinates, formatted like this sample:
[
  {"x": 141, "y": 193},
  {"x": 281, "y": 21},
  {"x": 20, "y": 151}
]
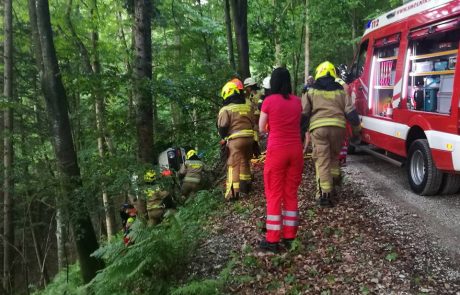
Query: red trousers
[{"x": 282, "y": 176}]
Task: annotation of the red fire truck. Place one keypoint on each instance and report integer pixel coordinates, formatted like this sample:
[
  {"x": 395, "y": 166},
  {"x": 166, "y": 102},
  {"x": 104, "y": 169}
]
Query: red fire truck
[{"x": 405, "y": 83}]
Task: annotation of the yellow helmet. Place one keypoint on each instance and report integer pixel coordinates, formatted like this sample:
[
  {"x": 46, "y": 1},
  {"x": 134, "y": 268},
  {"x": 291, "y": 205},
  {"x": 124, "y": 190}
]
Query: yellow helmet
[
  {"x": 325, "y": 68},
  {"x": 191, "y": 153},
  {"x": 229, "y": 89},
  {"x": 150, "y": 176}
]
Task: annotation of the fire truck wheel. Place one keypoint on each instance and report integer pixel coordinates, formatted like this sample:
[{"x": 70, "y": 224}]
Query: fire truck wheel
[
  {"x": 424, "y": 178},
  {"x": 450, "y": 184}
]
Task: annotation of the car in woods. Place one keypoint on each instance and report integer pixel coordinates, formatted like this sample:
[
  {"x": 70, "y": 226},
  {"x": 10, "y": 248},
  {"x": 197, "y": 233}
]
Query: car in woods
[{"x": 405, "y": 83}]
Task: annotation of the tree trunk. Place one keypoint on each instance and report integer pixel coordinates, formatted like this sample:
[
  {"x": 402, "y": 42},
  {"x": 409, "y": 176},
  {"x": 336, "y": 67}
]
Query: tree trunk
[
  {"x": 142, "y": 86},
  {"x": 307, "y": 43},
  {"x": 8, "y": 184},
  {"x": 228, "y": 26},
  {"x": 276, "y": 34},
  {"x": 56, "y": 102},
  {"x": 100, "y": 124},
  {"x": 207, "y": 48},
  {"x": 60, "y": 240},
  {"x": 240, "y": 22},
  {"x": 353, "y": 29}
]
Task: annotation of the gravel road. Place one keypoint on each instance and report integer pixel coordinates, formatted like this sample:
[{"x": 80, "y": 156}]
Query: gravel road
[{"x": 430, "y": 223}]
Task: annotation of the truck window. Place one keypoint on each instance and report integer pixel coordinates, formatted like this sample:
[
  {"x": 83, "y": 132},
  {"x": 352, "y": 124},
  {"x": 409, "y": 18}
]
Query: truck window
[
  {"x": 358, "y": 66},
  {"x": 433, "y": 58},
  {"x": 383, "y": 76}
]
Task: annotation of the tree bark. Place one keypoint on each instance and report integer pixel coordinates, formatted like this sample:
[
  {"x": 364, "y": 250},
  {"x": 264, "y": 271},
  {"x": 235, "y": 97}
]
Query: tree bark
[
  {"x": 240, "y": 22},
  {"x": 60, "y": 240},
  {"x": 8, "y": 184},
  {"x": 142, "y": 86},
  {"x": 276, "y": 35},
  {"x": 228, "y": 26},
  {"x": 307, "y": 43},
  {"x": 56, "y": 102}
]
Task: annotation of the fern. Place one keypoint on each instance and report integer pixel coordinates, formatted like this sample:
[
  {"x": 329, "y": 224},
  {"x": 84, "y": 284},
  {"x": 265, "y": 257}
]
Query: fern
[{"x": 159, "y": 254}]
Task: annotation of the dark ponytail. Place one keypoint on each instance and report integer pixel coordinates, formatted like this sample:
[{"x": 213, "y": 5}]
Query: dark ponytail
[{"x": 281, "y": 82}]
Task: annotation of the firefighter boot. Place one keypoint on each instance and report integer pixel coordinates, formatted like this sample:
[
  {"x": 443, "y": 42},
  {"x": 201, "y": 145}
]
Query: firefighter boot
[
  {"x": 267, "y": 246},
  {"x": 325, "y": 201}
]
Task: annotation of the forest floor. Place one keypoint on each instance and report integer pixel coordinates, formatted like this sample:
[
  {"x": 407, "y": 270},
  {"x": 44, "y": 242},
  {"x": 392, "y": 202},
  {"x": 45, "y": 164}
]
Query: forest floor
[{"x": 353, "y": 248}]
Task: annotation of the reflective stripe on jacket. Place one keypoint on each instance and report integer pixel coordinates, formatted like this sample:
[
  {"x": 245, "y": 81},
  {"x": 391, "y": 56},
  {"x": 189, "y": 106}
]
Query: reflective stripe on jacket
[
  {"x": 193, "y": 169},
  {"x": 326, "y": 108},
  {"x": 238, "y": 119}
]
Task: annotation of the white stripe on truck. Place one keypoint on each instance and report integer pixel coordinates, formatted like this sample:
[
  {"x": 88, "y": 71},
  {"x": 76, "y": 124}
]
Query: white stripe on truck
[{"x": 437, "y": 140}]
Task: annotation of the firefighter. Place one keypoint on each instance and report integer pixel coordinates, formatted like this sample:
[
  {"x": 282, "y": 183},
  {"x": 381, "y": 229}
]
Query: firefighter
[
  {"x": 192, "y": 170},
  {"x": 159, "y": 199},
  {"x": 128, "y": 214},
  {"x": 236, "y": 128},
  {"x": 310, "y": 81},
  {"x": 326, "y": 109},
  {"x": 253, "y": 95},
  {"x": 344, "y": 150},
  {"x": 266, "y": 91}
]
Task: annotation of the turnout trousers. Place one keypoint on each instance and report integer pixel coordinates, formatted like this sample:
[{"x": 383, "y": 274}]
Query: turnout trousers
[
  {"x": 327, "y": 144},
  {"x": 239, "y": 173},
  {"x": 282, "y": 176}
]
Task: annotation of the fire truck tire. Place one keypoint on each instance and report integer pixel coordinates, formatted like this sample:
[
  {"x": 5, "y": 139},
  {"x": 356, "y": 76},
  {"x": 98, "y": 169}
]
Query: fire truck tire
[
  {"x": 450, "y": 184},
  {"x": 424, "y": 178}
]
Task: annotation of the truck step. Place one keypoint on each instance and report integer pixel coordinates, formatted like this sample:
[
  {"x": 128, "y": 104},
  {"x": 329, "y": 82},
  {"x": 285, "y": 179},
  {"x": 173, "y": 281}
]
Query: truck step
[{"x": 379, "y": 155}]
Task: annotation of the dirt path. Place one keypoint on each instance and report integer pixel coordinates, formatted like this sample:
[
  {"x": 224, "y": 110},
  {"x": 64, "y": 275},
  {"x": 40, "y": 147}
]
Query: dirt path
[
  {"x": 386, "y": 186},
  {"x": 358, "y": 247}
]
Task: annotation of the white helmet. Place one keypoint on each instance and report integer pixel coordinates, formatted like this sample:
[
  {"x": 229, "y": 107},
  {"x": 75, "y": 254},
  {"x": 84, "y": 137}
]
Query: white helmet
[
  {"x": 249, "y": 82},
  {"x": 266, "y": 83}
]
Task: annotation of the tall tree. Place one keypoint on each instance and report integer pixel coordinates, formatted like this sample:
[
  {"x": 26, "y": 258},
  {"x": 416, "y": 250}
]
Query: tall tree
[
  {"x": 307, "y": 44},
  {"x": 103, "y": 140},
  {"x": 143, "y": 83},
  {"x": 8, "y": 225},
  {"x": 228, "y": 27},
  {"x": 240, "y": 22},
  {"x": 56, "y": 102}
]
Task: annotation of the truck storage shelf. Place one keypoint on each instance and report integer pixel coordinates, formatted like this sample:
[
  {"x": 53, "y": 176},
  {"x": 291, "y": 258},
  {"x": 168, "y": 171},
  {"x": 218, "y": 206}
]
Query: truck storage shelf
[
  {"x": 387, "y": 58},
  {"x": 384, "y": 87},
  {"x": 446, "y": 72},
  {"x": 436, "y": 54}
]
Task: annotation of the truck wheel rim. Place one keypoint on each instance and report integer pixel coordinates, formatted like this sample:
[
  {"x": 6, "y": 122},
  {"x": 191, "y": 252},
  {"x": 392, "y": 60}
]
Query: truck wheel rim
[{"x": 417, "y": 167}]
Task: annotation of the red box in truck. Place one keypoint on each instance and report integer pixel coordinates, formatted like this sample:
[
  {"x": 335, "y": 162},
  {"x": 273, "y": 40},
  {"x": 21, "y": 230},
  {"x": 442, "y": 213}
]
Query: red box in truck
[{"x": 405, "y": 82}]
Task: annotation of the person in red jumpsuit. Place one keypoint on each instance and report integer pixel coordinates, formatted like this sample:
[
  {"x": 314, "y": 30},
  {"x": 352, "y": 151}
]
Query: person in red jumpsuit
[{"x": 284, "y": 160}]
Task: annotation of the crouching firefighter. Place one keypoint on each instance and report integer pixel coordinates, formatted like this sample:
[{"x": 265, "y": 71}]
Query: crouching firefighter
[
  {"x": 192, "y": 170},
  {"x": 159, "y": 199},
  {"x": 326, "y": 110},
  {"x": 128, "y": 214},
  {"x": 236, "y": 126}
]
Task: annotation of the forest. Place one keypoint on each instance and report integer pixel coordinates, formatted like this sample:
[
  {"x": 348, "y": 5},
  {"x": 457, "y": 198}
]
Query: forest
[{"x": 95, "y": 90}]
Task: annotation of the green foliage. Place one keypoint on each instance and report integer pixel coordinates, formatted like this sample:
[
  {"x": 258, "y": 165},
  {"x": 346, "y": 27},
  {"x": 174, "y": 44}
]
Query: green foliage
[
  {"x": 150, "y": 264},
  {"x": 206, "y": 287},
  {"x": 65, "y": 282}
]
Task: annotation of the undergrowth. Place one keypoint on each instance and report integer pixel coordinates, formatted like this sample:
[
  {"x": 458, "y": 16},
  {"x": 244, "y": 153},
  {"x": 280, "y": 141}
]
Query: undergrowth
[{"x": 156, "y": 260}]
